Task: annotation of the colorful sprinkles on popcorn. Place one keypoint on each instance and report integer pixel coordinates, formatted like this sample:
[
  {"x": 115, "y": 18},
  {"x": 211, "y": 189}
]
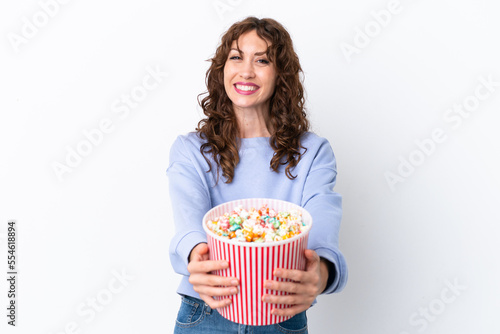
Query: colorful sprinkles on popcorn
[{"x": 263, "y": 225}]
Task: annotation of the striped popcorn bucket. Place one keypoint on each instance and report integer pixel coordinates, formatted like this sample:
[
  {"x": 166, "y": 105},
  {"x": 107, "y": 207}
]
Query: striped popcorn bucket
[{"x": 253, "y": 263}]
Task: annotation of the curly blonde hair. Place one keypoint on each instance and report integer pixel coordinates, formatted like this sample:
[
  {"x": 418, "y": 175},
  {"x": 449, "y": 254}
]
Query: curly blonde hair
[{"x": 287, "y": 112}]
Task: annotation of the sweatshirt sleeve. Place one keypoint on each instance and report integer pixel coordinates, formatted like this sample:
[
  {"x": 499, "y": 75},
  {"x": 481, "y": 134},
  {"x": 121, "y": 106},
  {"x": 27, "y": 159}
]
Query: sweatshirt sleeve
[
  {"x": 190, "y": 200},
  {"x": 325, "y": 207}
]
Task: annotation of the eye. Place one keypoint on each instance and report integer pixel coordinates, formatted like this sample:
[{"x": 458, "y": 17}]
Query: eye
[
  {"x": 263, "y": 61},
  {"x": 235, "y": 57}
]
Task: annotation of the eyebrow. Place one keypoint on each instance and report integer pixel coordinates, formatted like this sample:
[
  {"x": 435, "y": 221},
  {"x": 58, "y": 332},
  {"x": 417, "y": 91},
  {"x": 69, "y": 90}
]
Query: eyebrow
[{"x": 256, "y": 53}]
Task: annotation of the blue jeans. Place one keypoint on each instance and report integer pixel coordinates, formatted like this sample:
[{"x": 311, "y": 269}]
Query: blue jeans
[{"x": 197, "y": 317}]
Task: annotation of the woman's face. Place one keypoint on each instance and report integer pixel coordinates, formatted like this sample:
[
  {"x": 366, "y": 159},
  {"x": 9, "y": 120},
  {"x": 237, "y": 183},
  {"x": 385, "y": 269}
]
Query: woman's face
[{"x": 249, "y": 77}]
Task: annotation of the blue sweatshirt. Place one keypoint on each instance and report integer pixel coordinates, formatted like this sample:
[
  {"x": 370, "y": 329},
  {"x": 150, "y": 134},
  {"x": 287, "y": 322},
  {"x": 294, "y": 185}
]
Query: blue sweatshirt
[{"x": 193, "y": 192}]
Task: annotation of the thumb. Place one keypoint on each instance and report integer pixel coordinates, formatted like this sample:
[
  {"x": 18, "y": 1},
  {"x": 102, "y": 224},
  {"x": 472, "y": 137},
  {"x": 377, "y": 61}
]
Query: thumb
[
  {"x": 312, "y": 259},
  {"x": 199, "y": 252}
]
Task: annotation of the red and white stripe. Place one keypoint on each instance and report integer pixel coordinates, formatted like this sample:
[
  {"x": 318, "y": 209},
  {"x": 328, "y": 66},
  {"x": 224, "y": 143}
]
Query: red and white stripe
[{"x": 254, "y": 263}]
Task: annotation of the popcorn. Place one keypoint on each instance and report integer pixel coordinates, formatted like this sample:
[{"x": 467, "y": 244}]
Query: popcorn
[{"x": 263, "y": 225}]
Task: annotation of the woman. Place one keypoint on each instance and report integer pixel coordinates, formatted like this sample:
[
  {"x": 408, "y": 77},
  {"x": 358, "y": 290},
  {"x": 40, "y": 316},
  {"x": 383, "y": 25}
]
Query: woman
[{"x": 254, "y": 142}]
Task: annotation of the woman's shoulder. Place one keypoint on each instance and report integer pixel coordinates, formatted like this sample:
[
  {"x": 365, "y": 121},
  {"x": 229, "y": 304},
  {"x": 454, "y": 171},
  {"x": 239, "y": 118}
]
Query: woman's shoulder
[
  {"x": 311, "y": 139},
  {"x": 186, "y": 146},
  {"x": 318, "y": 148},
  {"x": 188, "y": 140}
]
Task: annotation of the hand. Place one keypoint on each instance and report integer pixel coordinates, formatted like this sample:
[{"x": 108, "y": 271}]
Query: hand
[
  {"x": 306, "y": 287},
  {"x": 207, "y": 284}
]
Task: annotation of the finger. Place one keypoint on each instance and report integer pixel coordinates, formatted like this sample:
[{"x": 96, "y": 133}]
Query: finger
[
  {"x": 312, "y": 260},
  {"x": 292, "y": 287},
  {"x": 291, "y": 274},
  {"x": 291, "y": 311},
  {"x": 215, "y": 291},
  {"x": 287, "y": 299},
  {"x": 212, "y": 280},
  {"x": 214, "y": 303},
  {"x": 199, "y": 252},
  {"x": 206, "y": 266}
]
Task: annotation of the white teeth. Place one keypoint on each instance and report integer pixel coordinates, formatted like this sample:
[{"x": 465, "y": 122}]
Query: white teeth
[{"x": 246, "y": 88}]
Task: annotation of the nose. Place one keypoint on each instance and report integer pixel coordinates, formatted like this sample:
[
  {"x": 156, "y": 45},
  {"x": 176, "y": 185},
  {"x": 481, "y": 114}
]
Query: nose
[{"x": 247, "y": 70}]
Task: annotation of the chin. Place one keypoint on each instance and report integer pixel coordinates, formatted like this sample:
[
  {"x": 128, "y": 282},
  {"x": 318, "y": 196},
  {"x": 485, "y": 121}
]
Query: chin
[{"x": 242, "y": 104}]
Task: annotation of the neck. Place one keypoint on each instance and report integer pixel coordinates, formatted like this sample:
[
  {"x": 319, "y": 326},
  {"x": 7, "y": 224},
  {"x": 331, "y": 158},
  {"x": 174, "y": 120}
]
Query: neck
[{"x": 253, "y": 122}]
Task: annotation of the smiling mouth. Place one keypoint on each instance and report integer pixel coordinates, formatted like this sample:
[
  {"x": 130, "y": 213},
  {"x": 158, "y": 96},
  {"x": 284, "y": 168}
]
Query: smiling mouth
[{"x": 246, "y": 88}]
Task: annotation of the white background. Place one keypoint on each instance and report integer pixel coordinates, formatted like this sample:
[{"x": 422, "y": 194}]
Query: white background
[{"x": 404, "y": 245}]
